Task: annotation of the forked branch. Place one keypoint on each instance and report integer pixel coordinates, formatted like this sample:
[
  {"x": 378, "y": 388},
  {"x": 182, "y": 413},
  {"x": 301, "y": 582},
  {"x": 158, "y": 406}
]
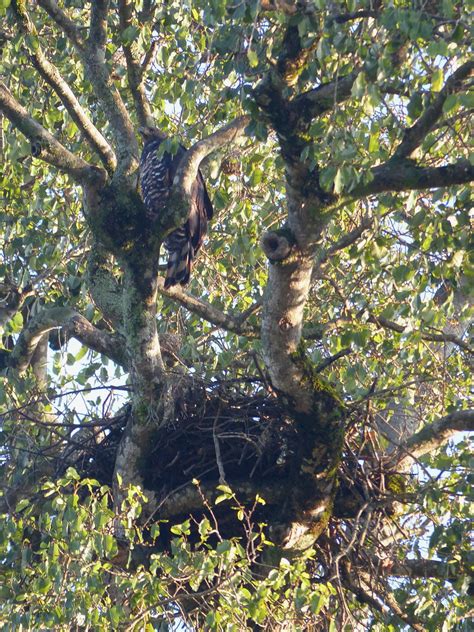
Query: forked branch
[
  {"x": 52, "y": 76},
  {"x": 414, "y": 135},
  {"x": 92, "y": 56},
  {"x": 74, "y": 324},
  {"x": 44, "y": 145},
  {"x": 135, "y": 71},
  {"x": 230, "y": 322}
]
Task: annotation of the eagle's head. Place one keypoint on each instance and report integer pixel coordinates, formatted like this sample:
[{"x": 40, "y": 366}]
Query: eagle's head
[{"x": 149, "y": 133}]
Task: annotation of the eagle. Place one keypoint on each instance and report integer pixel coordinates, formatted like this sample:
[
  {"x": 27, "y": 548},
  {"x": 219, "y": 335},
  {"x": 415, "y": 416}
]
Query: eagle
[{"x": 156, "y": 177}]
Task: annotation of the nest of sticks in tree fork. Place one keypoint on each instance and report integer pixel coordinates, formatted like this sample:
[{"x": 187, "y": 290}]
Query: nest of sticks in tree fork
[{"x": 234, "y": 432}]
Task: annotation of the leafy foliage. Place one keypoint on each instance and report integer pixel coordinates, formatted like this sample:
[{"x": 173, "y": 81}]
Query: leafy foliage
[{"x": 385, "y": 319}]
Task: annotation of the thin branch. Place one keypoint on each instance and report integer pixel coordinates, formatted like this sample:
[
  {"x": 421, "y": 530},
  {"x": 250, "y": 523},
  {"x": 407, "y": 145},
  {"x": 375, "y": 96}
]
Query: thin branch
[
  {"x": 433, "y": 436},
  {"x": 421, "y": 568},
  {"x": 317, "y": 331},
  {"x": 356, "y": 15},
  {"x": 250, "y": 311},
  {"x": 414, "y": 135},
  {"x": 328, "y": 361},
  {"x": 45, "y": 145},
  {"x": 380, "y": 604},
  {"x": 135, "y": 72},
  {"x": 344, "y": 242},
  {"x": 68, "y": 26},
  {"x": 51, "y": 75},
  {"x": 149, "y": 56},
  {"x": 229, "y": 322},
  {"x": 348, "y": 239},
  {"x": 217, "y": 448},
  {"x": 443, "y": 337},
  {"x": 93, "y": 59},
  {"x": 172, "y": 600}
]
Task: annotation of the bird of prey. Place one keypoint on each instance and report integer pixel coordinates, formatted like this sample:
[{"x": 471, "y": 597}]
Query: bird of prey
[{"x": 156, "y": 177}]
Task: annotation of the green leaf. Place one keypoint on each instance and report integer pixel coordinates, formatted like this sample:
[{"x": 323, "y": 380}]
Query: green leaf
[
  {"x": 253, "y": 58},
  {"x": 226, "y": 489},
  {"x": 451, "y": 103},
  {"x": 204, "y": 527},
  {"x": 115, "y": 615},
  {"x": 16, "y": 323},
  {"x": 437, "y": 80},
  {"x": 339, "y": 182},
  {"x": 110, "y": 545},
  {"x": 22, "y": 504},
  {"x": 373, "y": 143},
  {"x": 359, "y": 87},
  {"x": 221, "y": 498},
  {"x": 71, "y": 474},
  {"x": 317, "y": 601},
  {"x": 130, "y": 34}
]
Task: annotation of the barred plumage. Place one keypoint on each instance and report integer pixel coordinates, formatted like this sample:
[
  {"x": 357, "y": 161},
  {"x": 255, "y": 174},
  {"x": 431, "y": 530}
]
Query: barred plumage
[{"x": 156, "y": 178}]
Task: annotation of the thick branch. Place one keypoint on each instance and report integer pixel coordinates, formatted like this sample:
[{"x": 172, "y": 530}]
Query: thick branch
[
  {"x": 39, "y": 363},
  {"x": 406, "y": 175},
  {"x": 51, "y": 75},
  {"x": 189, "y": 165},
  {"x": 32, "y": 334},
  {"x": 284, "y": 301},
  {"x": 230, "y": 322},
  {"x": 433, "y": 436},
  {"x": 74, "y": 324},
  {"x": 139, "y": 324},
  {"x": 110, "y": 345},
  {"x": 98, "y": 24},
  {"x": 44, "y": 144},
  {"x": 294, "y": 56},
  {"x": 188, "y": 168},
  {"x": 414, "y": 136},
  {"x": 308, "y": 105},
  {"x": 190, "y": 498}
]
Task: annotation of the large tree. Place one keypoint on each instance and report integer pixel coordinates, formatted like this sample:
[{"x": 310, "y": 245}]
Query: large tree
[{"x": 270, "y": 447}]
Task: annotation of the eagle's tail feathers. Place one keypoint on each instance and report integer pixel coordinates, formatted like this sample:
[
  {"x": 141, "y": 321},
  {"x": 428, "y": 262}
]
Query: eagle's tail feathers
[{"x": 180, "y": 263}]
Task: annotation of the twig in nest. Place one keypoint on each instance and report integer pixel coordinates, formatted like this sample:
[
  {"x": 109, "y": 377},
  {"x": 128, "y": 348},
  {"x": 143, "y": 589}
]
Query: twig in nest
[
  {"x": 261, "y": 372},
  {"x": 217, "y": 448}
]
